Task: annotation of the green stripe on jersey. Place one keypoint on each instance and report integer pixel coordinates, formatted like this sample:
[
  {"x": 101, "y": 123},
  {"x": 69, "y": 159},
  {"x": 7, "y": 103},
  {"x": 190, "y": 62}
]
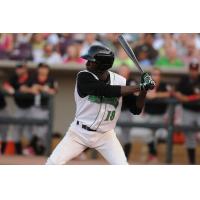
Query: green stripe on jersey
[{"x": 107, "y": 100}]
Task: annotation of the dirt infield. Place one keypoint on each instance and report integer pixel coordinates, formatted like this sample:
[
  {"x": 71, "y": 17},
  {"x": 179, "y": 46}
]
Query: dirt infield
[
  {"x": 40, "y": 160},
  {"x": 138, "y": 156}
]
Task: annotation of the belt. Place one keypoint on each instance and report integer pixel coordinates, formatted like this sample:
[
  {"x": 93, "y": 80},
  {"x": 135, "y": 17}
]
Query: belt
[{"x": 84, "y": 126}]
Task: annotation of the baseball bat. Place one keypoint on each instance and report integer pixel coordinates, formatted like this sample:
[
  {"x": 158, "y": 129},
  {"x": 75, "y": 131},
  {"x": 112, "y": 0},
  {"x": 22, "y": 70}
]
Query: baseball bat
[{"x": 129, "y": 52}]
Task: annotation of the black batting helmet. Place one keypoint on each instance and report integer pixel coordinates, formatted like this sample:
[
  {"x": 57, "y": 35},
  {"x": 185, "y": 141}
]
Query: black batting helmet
[{"x": 101, "y": 55}]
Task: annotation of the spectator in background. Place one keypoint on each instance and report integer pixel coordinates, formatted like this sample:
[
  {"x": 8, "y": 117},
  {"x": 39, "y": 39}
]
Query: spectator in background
[
  {"x": 18, "y": 86},
  {"x": 158, "y": 41},
  {"x": 140, "y": 40},
  {"x": 78, "y": 37},
  {"x": 122, "y": 59},
  {"x": 147, "y": 45},
  {"x": 37, "y": 43},
  {"x": 53, "y": 39},
  {"x": 22, "y": 48},
  {"x": 89, "y": 40},
  {"x": 72, "y": 54},
  {"x": 181, "y": 43},
  {"x": 196, "y": 38},
  {"x": 143, "y": 57},
  {"x": 110, "y": 40},
  {"x": 49, "y": 55},
  {"x": 3, "y": 127},
  {"x": 22, "y": 38},
  {"x": 191, "y": 54},
  {"x": 41, "y": 84},
  {"x": 165, "y": 40},
  {"x": 6, "y": 45},
  {"x": 170, "y": 59},
  {"x": 65, "y": 40},
  {"x": 188, "y": 92}
]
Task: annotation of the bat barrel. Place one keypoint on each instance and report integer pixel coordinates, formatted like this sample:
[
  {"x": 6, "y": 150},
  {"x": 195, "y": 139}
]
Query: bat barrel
[{"x": 129, "y": 52}]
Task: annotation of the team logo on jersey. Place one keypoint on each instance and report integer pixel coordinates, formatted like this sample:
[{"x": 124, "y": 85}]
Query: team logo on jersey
[{"x": 114, "y": 101}]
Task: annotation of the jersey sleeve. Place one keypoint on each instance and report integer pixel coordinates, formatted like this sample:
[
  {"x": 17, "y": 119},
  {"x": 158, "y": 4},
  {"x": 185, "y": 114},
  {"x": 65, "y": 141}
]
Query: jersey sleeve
[{"x": 87, "y": 84}]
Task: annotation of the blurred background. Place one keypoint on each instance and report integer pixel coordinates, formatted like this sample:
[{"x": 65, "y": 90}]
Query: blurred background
[{"x": 37, "y": 79}]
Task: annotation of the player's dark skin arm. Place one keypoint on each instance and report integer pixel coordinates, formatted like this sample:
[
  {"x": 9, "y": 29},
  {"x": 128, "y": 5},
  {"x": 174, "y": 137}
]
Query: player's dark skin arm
[
  {"x": 88, "y": 85},
  {"x": 126, "y": 90},
  {"x": 141, "y": 99}
]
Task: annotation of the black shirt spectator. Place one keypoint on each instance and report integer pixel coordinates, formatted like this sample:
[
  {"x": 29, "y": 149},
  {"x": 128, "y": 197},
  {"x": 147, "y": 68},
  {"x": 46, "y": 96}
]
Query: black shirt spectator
[
  {"x": 188, "y": 86},
  {"x": 48, "y": 83},
  {"x": 147, "y": 47},
  {"x": 22, "y": 100}
]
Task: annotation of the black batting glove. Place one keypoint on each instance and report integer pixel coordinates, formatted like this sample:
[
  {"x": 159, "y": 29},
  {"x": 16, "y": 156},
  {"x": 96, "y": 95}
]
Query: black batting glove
[
  {"x": 145, "y": 77},
  {"x": 147, "y": 86},
  {"x": 147, "y": 83}
]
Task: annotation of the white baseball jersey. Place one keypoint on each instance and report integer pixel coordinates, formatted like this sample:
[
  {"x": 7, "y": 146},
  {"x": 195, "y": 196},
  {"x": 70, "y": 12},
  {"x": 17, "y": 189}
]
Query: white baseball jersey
[{"x": 98, "y": 113}]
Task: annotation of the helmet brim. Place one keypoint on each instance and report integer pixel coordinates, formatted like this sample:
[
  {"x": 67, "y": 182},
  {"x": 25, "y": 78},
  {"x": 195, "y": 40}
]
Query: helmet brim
[{"x": 88, "y": 57}]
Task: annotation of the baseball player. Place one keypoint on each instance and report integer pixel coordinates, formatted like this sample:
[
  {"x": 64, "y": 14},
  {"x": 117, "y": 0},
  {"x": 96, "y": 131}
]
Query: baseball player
[{"x": 99, "y": 94}]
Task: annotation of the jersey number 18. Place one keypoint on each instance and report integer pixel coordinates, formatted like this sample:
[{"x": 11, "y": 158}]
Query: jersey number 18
[{"x": 110, "y": 116}]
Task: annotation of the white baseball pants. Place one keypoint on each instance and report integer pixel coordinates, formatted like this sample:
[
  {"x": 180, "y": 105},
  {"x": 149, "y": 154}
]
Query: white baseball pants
[{"x": 74, "y": 143}]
